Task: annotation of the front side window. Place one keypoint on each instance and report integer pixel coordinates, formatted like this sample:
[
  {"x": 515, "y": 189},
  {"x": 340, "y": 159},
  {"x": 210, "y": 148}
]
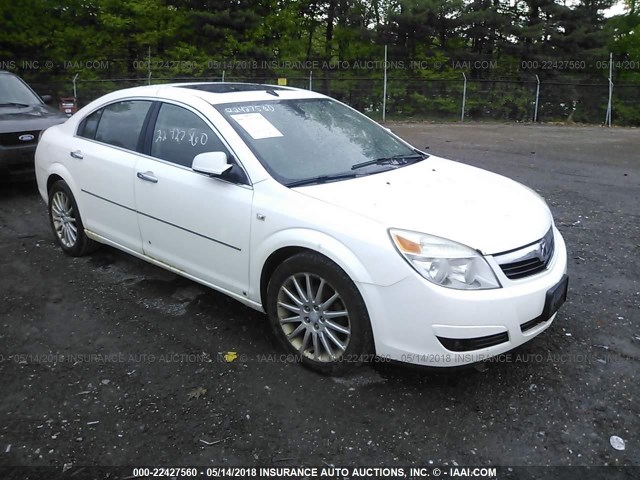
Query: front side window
[
  {"x": 120, "y": 123},
  {"x": 303, "y": 139},
  {"x": 179, "y": 135}
]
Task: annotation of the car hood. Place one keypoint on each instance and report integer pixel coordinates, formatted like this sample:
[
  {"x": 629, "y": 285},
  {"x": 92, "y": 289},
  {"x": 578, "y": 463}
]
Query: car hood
[
  {"x": 480, "y": 209},
  {"x": 30, "y": 118}
]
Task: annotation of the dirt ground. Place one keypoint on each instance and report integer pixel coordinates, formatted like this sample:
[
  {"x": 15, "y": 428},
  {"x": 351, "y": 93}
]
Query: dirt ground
[{"x": 107, "y": 360}]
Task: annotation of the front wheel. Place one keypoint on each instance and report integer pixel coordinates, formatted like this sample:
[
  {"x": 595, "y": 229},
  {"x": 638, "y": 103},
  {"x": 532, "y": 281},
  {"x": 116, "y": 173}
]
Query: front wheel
[
  {"x": 66, "y": 223},
  {"x": 318, "y": 314}
]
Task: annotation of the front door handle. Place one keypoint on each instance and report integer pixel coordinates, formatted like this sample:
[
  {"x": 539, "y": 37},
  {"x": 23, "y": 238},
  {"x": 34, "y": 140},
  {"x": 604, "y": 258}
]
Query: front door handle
[
  {"x": 76, "y": 154},
  {"x": 147, "y": 177}
]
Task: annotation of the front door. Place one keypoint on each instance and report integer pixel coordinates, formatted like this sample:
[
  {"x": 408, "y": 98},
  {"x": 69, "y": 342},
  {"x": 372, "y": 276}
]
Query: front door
[{"x": 190, "y": 221}]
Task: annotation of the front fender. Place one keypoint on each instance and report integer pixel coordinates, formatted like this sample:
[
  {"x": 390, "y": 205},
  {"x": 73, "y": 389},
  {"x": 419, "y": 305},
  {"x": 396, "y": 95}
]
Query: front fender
[{"x": 313, "y": 240}]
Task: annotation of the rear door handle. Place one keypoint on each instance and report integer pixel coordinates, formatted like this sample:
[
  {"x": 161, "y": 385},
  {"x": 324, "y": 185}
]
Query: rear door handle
[
  {"x": 77, "y": 154},
  {"x": 147, "y": 177}
]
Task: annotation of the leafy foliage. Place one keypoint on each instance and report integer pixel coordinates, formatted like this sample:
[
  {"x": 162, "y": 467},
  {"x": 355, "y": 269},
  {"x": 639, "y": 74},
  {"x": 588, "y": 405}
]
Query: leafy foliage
[{"x": 341, "y": 41}]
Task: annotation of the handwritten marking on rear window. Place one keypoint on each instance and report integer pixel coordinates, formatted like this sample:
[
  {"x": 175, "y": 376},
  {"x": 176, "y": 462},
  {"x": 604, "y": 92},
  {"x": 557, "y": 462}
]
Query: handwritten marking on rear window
[
  {"x": 178, "y": 135},
  {"x": 250, "y": 109}
]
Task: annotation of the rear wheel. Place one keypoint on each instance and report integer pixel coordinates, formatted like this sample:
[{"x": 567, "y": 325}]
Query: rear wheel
[
  {"x": 66, "y": 223},
  {"x": 318, "y": 314}
]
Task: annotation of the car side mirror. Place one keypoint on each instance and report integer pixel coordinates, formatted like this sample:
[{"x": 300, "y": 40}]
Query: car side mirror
[
  {"x": 47, "y": 99},
  {"x": 211, "y": 163}
]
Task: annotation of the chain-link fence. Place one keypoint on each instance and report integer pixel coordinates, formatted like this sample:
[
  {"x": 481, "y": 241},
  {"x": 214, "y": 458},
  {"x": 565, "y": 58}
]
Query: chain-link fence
[{"x": 419, "y": 99}]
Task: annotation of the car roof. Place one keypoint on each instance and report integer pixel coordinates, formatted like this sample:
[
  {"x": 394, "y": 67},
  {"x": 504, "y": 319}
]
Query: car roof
[
  {"x": 218, "y": 92},
  {"x": 7, "y": 72}
]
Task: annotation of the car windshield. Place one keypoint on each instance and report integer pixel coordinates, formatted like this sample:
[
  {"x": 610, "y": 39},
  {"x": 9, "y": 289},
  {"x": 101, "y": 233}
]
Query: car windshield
[
  {"x": 14, "y": 92},
  {"x": 315, "y": 140}
]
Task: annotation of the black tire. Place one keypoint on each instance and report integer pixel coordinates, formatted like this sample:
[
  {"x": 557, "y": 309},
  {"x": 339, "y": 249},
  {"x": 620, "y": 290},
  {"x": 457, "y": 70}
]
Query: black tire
[
  {"x": 323, "y": 319},
  {"x": 64, "y": 217}
]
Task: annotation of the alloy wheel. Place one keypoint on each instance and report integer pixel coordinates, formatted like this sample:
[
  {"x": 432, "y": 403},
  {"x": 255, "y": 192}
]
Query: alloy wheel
[
  {"x": 64, "y": 221},
  {"x": 314, "y": 317}
]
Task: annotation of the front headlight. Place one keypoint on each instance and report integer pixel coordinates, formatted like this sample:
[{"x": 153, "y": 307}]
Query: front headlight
[{"x": 444, "y": 262}]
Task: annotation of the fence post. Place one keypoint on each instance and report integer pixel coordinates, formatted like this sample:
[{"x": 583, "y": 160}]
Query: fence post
[
  {"x": 149, "y": 63},
  {"x": 384, "y": 87},
  {"x": 310, "y": 79},
  {"x": 464, "y": 96},
  {"x": 535, "y": 113},
  {"x": 607, "y": 120},
  {"x": 75, "y": 91},
  {"x": 223, "y": 75}
]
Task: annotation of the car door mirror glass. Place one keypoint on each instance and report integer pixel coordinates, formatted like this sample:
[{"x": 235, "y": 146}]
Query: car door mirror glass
[{"x": 211, "y": 163}]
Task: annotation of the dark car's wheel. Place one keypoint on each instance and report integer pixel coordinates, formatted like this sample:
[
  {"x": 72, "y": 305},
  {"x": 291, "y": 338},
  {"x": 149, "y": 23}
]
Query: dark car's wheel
[
  {"x": 66, "y": 223},
  {"x": 318, "y": 314}
]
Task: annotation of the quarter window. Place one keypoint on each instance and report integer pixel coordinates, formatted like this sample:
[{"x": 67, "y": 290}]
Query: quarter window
[
  {"x": 121, "y": 123},
  {"x": 89, "y": 125},
  {"x": 179, "y": 135}
]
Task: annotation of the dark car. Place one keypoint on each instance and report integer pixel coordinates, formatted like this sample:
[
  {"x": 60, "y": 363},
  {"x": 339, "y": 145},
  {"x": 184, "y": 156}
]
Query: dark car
[{"x": 23, "y": 115}]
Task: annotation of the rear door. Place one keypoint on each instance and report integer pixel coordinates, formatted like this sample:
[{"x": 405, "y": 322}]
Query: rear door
[
  {"x": 104, "y": 153},
  {"x": 193, "y": 222}
]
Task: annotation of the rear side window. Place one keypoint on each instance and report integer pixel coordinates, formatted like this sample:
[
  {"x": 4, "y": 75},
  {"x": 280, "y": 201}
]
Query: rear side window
[
  {"x": 89, "y": 125},
  {"x": 120, "y": 123},
  {"x": 179, "y": 135}
]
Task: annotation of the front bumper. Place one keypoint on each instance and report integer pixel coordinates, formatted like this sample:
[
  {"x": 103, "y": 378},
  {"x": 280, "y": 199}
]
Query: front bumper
[
  {"x": 17, "y": 161},
  {"x": 408, "y": 317}
]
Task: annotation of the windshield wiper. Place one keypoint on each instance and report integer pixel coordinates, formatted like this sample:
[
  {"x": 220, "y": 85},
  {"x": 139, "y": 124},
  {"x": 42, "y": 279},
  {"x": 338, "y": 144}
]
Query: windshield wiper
[
  {"x": 398, "y": 159},
  {"x": 321, "y": 179},
  {"x": 13, "y": 104}
]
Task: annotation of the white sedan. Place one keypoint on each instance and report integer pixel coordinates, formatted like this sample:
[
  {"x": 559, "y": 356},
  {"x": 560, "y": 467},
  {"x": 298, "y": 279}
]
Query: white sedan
[{"x": 356, "y": 244}]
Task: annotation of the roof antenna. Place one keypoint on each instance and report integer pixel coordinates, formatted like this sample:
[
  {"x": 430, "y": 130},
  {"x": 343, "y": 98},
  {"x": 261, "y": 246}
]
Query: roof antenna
[{"x": 271, "y": 91}]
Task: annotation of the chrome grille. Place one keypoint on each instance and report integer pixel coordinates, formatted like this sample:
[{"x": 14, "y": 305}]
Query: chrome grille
[{"x": 528, "y": 260}]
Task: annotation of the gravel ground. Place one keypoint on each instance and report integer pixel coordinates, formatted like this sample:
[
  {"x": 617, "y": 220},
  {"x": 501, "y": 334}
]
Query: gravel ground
[{"x": 107, "y": 360}]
